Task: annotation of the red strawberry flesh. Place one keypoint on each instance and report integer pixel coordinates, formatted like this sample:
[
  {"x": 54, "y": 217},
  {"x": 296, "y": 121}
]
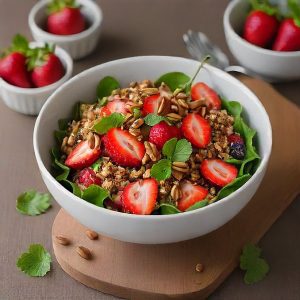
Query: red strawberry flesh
[{"x": 87, "y": 177}]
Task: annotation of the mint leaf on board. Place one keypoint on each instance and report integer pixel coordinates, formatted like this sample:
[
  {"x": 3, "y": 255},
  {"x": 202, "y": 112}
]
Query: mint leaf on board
[
  {"x": 169, "y": 148},
  {"x": 174, "y": 80},
  {"x": 106, "y": 86},
  {"x": 72, "y": 187},
  {"x": 36, "y": 262},
  {"x": 168, "y": 209},
  {"x": 198, "y": 205},
  {"x": 161, "y": 170},
  {"x": 95, "y": 195},
  {"x": 106, "y": 123},
  {"x": 233, "y": 186},
  {"x": 183, "y": 151},
  {"x": 250, "y": 261},
  {"x": 153, "y": 119},
  {"x": 33, "y": 203}
]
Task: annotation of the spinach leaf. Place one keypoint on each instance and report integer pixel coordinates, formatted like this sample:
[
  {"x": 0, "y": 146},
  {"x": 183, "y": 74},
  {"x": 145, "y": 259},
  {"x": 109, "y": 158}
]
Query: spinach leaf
[
  {"x": 168, "y": 209},
  {"x": 72, "y": 187},
  {"x": 173, "y": 80},
  {"x": 63, "y": 124},
  {"x": 61, "y": 171},
  {"x": 106, "y": 86},
  {"x": 198, "y": 204},
  {"x": 59, "y": 135},
  {"x": 76, "y": 113},
  {"x": 234, "y": 108},
  {"x": 233, "y": 186},
  {"x": 95, "y": 195}
]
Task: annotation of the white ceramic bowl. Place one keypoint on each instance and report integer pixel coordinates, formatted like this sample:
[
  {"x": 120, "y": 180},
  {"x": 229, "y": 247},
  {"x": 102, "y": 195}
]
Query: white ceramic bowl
[
  {"x": 153, "y": 229},
  {"x": 78, "y": 45},
  {"x": 269, "y": 64},
  {"x": 29, "y": 101}
]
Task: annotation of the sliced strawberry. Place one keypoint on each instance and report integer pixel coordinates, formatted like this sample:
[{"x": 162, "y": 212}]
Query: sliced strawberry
[
  {"x": 115, "y": 203},
  {"x": 151, "y": 104},
  {"x": 86, "y": 177},
  {"x": 162, "y": 132},
  {"x": 191, "y": 194},
  {"x": 139, "y": 197},
  {"x": 123, "y": 148},
  {"x": 117, "y": 106},
  {"x": 104, "y": 111},
  {"x": 83, "y": 156},
  {"x": 202, "y": 91},
  {"x": 218, "y": 172},
  {"x": 235, "y": 139},
  {"x": 197, "y": 130}
]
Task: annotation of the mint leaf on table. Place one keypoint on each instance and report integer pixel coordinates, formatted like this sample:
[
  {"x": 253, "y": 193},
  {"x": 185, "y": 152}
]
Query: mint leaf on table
[
  {"x": 153, "y": 119},
  {"x": 36, "y": 262},
  {"x": 174, "y": 80},
  {"x": 106, "y": 123},
  {"x": 168, "y": 209},
  {"x": 161, "y": 170},
  {"x": 250, "y": 261},
  {"x": 33, "y": 203},
  {"x": 106, "y": 86},
  {"x": 95, "y": 195},
  {"x": 177, "y": 150}
]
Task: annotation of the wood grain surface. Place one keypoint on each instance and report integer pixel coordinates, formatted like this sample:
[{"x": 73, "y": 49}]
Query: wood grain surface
[
  {"x": 168, "y": 271},
  {"x": 130, "y": 27}
]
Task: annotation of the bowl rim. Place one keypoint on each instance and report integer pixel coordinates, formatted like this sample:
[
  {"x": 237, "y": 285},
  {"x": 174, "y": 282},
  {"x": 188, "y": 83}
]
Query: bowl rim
[
  {"x": 63, "y": 56},
  {"x": 93, "y": 7},
  {"x": 48, "y": 176},
  {"x": 228, "y": 27}
]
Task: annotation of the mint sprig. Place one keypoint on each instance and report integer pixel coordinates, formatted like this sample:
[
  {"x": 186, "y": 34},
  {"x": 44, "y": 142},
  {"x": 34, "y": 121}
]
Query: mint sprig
[
  {"x": 153, "y": 119},
  {"x": 36, "y": 262},
  {"x": 161, "y": 170},
  {"x": 106, "y": 123},
  {"x": 106, "y": 85}
]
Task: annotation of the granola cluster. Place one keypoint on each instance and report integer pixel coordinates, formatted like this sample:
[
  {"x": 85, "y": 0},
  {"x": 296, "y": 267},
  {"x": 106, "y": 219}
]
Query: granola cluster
[{"x": 174, "y": 106}]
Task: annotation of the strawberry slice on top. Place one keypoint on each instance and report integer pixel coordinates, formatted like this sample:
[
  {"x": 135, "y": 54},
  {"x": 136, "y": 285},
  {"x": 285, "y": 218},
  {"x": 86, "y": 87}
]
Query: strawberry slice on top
[
  {"x": 191, "y": 194},
  {"x": 139, "y": 197},
  {"x": 82, "y": 155},
  {"x": 151, "y": 104},
  {"x": 123, "y": 148},
  {"x": 218, "y": 171},
  {"x": 197, "y": 130},
  {"x": 117, "y": 106},
  {"x": 201, "y": 90}
]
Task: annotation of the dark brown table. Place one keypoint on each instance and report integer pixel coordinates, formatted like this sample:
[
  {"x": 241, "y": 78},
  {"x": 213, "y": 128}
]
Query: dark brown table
[{"x": 130, "y": 28}]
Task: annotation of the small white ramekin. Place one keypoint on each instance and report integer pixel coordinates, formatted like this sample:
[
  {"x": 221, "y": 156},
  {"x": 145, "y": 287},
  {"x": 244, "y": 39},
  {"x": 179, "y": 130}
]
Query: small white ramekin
[
  {"x": 29, "y": 101},
  {"x": 77, "y": 45}
]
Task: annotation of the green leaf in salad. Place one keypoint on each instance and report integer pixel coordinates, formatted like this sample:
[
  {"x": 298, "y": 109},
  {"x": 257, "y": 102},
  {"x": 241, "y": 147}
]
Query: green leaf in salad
[
  {"x": 72, "y": 187},
  {"x": 62, "y": 171},
  {"x": 106, "y": 86},
  {"x": 76, "y": 112},
  {"x": 169, "y": 148},
  {"x": 96, "y": 165},
  {"x": 177, "y": 150},
  {"x": 106, "y": 123},
  {"x": 103, "y": 101},
  {"x": 234, "y": 108},
  {"x": 136, "y": 113},
  {"x": 250, "y": 261},
  {"x": 33, "y": 203},
  {"x": 63, "y": 124},
  {"x": 36, "y": 262},
  {"x": 233, "y": 186},
  {"x": 168, "y": 209},
  {"x": 95, "y": 195},
  {"x": 173, "y": 80},
  {"x": 161, "y": 170},
  {"x": 59, "y": 136},
  {"x": 153, "y": 119},
  {"x": 198, "y": 205}
]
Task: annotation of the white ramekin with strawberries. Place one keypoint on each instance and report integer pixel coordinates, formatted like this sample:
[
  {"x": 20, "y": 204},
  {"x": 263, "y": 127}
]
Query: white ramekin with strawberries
[
  {"x": 30, "y": 73},
  {"x": 263, "y": 39},
  {"x": 156, "y": 161},
  {"x": 74, "y": 25}
]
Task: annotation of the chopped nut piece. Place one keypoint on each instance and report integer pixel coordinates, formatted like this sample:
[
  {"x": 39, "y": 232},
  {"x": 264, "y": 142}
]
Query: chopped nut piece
[
  {"x": 147, "y": 174},
  {"x": 152, "y": 151},
  {"x": 195, "y": 104},
  {"x": 174, "y": 117},
  {"x": 199, "y": 268},
  {"x": 176, "y": 192},
  {"x": 137, "y": 123},
  {"x": 183, "y": 104}
]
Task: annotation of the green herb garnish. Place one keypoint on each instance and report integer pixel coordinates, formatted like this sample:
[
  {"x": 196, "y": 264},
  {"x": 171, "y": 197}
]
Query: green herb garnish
[
  {"x": 106, "y": 86},
  {"x": 112, "y": 121}
]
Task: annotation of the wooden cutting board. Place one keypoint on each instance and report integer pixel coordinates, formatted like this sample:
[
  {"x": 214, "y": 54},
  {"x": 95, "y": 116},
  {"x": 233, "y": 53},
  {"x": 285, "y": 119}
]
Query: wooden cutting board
[{"x": 168, "y": 271}]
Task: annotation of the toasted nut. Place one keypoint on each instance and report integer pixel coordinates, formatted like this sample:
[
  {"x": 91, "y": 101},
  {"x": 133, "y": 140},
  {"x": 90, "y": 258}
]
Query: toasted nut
[
  {"x": 84, "y": 252},
  {"x": 195, "y": 104},
  {"x": 176, "y": 92},
  {"x": 174, "y": 108},
  {"x": 147, "y": 173},
  {"x": 180, "y": 164},
  {"x": 145, "y": 159},
  {"x": 195, "y": 176},
  {"x": 152, "y": 151},
  {"x": 135, "y": 131},
  {"x": 174, "y": 101},
  {"x": 62, "y": 240},
  {"x": 178, "y": 175},
  {"x": 90, "y": 115},
  {"x": 92, "y": 235},
  {"x": 174, "y": 117},
  {"x": 181, "y": 96},
  {"x": 64, "y": 143},
  {"x": 71, "y": 140},
  {"x": 97, "y": 141},
  {"x": 183, "y": 104},
  {"x": 137, "y": 123},
  {"x": 161, "y": 106},
  {"x": 203, "y": 111},
  {"x": 180, "y": 169},
  {"x": 149, "y": 91},
  {"x": 199, "y": 268},
  {"x": 91, "y": 140},
  {"x": 176, "y": 192}
]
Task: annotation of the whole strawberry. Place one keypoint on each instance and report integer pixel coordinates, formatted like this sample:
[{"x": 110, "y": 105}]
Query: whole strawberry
[
  {"x": 13, "y": 64},
  {"x": 46, "y": 68},
  {"x": 65, "y": 18},
  {"x": 261, "y": 24},
  {"x": 288, "y": 37}
]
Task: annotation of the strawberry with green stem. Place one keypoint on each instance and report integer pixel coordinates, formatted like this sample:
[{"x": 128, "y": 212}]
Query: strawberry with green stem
[
  {"x": 261, "y": 24},
  {"x": 13, "y": 63},
  {"x": 65, "y": 18},
  {"x": 288, "y": 37},
  {"x": 45, "y": 67}
]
